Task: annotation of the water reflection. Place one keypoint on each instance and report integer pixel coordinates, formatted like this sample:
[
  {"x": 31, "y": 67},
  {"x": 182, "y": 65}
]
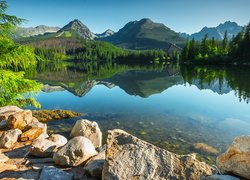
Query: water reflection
[
  {"x": 220, "y": 79},
  {"x": 146, "y": 81},
  {"x": 170, "y": 107}
]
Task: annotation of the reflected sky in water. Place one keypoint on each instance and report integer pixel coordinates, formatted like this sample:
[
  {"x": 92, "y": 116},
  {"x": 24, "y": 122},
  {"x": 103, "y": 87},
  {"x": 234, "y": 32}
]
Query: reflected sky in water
[
  {"x": 179, "y": 100},
  {"x": 171, "y": 111}
]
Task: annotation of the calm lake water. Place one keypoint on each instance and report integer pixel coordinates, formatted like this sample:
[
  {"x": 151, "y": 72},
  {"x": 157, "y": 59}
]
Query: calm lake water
[{"x": 170, "y": 108}]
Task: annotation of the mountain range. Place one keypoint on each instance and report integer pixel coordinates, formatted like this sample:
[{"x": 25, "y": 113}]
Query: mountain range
[
  {"x": 145, "y": 34},
  {"x": 134, "y": 82},
  {"x": 217, "y": 32},
  {"x": 144, "y": 83},
  {"x": 137, "y": 35},
  {"x": 34, "y": 31},
  {"x": 75, "y": 27}
]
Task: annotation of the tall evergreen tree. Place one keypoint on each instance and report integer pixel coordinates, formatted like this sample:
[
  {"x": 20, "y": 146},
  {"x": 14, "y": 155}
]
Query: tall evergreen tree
[
  {"x": 192, "y": 50},
  {"x": 7, "y": 21},
  {"x": 204, "y": 45},
  {"x": 185, "y": 51},
  {"x": 225, "y": 43}
]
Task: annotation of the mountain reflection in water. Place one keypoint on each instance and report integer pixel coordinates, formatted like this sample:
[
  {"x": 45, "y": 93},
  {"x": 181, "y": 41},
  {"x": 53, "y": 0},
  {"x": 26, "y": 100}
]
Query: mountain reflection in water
[
  {"x": 170, "y": 107},
  {"x": 144, "y": 83}
]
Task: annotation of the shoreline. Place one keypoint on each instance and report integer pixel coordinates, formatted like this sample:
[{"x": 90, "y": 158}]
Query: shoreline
[{"x": 34, "y": 153}]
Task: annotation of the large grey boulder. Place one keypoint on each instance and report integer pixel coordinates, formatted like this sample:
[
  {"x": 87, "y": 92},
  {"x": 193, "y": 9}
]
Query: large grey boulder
[
  {"x": 9, "y": 138},
  {"x": 94, "y": 166},
  {"x": 88, "y": 129},
  {"x": 52, "y": 173},
  {"x": 128, "y": 157},
  {"x": 236, "y": 160},
  {"x": 75, "y": 152}
]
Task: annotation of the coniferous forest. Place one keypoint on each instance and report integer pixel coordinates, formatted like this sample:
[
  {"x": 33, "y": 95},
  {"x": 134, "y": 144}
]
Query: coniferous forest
[{"x": 227, "y": 51}]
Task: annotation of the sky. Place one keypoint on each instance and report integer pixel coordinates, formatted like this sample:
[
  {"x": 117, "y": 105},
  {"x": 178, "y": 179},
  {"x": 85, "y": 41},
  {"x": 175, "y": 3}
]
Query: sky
[{"x": 99, "y": 15}]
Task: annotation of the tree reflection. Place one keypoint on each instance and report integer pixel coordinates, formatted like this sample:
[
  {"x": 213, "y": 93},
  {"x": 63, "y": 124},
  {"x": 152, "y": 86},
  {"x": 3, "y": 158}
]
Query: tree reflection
[{"x": 234, "y": 77}]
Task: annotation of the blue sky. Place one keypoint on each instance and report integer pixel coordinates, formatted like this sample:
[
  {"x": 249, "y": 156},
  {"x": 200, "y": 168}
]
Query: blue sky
[{"x": 180, "y": 15}]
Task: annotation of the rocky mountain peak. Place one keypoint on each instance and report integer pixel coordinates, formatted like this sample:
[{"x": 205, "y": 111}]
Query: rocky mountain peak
[
  {"x": 107, "y": 33},
  {"x": 78, "y": 27},
  {"x": 228, "y": 24},
  {"x": 146, "y": 20},
  {"x": 33, "y": 31},
  {"x": 76, "y": 22},
  {"x": 232, "y": 29},
  {"x": 145, "y": 34}
]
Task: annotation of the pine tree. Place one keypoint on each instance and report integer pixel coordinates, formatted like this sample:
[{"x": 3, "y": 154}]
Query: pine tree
[
  {"x": 192, "y": 51},
  {"x": 225, "y": 43},
  {"x": 184, "y": 54},
  {"x": 204, "y": 45},
  {"x": 7, "y": 21}
]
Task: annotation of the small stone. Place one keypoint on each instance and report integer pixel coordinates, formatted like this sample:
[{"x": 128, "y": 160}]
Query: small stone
[
  {"x": 31, "y": 134},
  {"x": 46, "y": 147},
  {"x": 77, "y": 151},
  {"x": 9, "y": 138},
  {"x": 20, "y": 120},
  {"x": 43, "y": 148},
  {"x": 236, "y": 160},
  {"x": 204, "y": 149},
  {"x": 58, "y": 139},
  {"x": 52, "y": 173},
  {"x": 94, "y": 165},
  {"x": 88, "y": 129},
  {"x": 44, "y": 134}
]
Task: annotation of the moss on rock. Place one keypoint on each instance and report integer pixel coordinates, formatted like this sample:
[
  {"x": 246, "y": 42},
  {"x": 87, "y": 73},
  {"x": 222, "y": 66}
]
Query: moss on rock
[{"x": 49, "y": 115}]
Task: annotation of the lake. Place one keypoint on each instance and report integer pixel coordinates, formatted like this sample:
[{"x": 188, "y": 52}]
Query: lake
[{"x": 170, "y": 107}]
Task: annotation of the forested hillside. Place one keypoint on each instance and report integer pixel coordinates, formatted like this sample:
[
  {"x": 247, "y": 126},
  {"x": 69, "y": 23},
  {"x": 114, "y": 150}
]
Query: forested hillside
[{"x": 215, "y": 51}]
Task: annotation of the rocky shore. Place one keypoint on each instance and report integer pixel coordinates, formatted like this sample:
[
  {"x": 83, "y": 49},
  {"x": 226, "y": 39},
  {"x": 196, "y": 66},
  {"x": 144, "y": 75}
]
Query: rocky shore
[{"x": 28, "y": 152}]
